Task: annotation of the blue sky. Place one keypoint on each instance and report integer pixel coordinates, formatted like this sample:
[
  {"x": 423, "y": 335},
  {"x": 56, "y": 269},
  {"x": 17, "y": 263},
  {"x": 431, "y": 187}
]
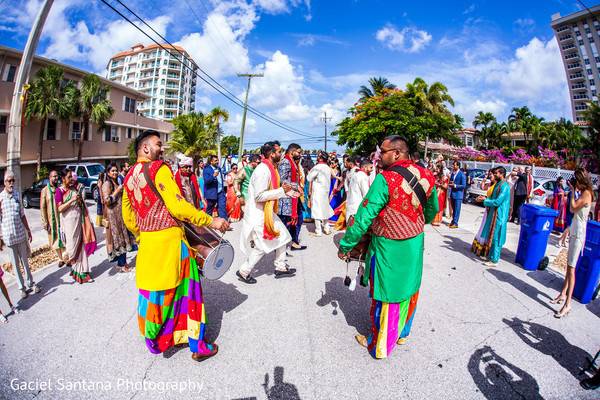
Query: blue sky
[{"x": 492, "y": 55}]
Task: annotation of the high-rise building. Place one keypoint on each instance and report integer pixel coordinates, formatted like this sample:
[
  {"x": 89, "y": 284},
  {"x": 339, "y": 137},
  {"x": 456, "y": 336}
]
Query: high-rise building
[
  {"x": 578, "y": 36},
  {"x": 165, "y": 75}
]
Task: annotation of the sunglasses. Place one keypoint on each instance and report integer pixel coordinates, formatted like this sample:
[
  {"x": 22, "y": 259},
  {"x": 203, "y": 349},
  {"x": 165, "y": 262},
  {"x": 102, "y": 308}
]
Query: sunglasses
[{"x": 10, "y": 180}]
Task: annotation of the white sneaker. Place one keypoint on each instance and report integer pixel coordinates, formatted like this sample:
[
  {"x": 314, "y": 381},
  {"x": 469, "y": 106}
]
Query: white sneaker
[{"x": 3, "y": 319}]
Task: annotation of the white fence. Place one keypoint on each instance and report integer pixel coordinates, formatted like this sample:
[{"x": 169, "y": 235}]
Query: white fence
[{"x": 538, "y": 172}]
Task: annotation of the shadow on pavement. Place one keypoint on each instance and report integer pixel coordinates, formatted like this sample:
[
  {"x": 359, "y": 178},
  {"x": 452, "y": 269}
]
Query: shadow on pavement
[
  {"x": 550, "y": 342},
  {"x": 219, "y": 298},
  {"x": 523, "y": 287},
  {"x": 354, "y": 305},
  {"x": 280, "y": 390},
  {"x": 458, "y": 245},
  {"x": 547, "y": 278},
  {"x": 49, "y": 284},
  {"x": 594, "y": 307},
  {"x": 497, "y": 379}
]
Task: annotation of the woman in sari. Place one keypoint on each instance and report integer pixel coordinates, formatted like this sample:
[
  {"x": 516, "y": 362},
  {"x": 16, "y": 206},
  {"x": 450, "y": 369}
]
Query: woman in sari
[
  {"x": 441, "y": 184},
  {"x": 482, "y": 243},
  {"x": 335, "y": 190},
  {"x": 233, "y": 204},
  {"x": 77, "y": 228},
  {"x": 99, "y": 205},
  {"x": 118, "y": 241},
  {"x": 559, "y": 203}
]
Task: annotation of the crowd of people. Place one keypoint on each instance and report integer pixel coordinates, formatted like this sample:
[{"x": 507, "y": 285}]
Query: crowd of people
[{"x": 383, "y": 200}]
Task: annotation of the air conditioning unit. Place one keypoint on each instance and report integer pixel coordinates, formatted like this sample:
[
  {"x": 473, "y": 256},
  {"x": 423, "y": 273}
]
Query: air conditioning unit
[{"x": 115, "y": 139}]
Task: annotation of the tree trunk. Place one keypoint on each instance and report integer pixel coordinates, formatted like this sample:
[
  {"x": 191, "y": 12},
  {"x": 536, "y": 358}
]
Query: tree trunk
[
  {"x": 218, "y": 141},
  {"x": 84, "y": 133},
  {"x": 40, "y": 145}
]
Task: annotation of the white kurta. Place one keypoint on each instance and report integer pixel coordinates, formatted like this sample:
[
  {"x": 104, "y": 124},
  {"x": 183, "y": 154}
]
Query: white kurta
[
  {"x": 357, "y": 190},
  {"x": 254, "y": 218},
  {"x": 320, "y": 177}
]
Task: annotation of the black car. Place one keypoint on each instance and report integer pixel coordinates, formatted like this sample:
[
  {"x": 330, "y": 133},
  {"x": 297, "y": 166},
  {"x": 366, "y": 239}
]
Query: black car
[{"x": 31, "y": 195}]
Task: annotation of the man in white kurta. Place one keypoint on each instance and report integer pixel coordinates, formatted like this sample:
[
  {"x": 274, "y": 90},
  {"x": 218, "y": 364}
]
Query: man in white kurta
[
  {"x": 320, "y": 180},
  {"x": 358, "y": 188},
  {"x": 253, "y": 242}
]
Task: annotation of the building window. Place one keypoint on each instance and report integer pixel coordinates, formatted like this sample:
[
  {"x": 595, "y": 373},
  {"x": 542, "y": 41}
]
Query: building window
[
  {"x": 111, "y": 134},
  {"x": 591, "y": 39},
  {"x": 589, "y": 71},
  {"x": 76, "y": 130},
  {"x": 3, "y": 123},
  {"x": 587, "y": 61},
  {"x": 580, "y": 42},
  {"x": 9, "y": 73},
  {"x": 587, "y": 30},
  {"x": 129, "y": 133},
  {"x": 592, "y": 82},
  {"x": 129, "y": 105},
  {"x": 51, "y": 129}
]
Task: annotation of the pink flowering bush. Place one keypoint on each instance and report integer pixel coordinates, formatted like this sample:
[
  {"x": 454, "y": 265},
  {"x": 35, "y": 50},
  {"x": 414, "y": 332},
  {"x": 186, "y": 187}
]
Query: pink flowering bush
[{"x": 495, "y": 155}]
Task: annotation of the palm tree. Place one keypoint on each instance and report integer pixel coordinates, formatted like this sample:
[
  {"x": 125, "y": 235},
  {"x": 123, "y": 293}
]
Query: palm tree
[
  {"x": 592, "y": 116},
  {"x": 378, "y": 87},
  {"x": 214, "y": 119},
  {"x": 429, "y": 99},
  {"x": 484, "y": 119},
  {"x": 520, "y": 117},
  {"x": 93, "y": 106},
  {"x": 50, "y": 95},
  {"x": 191, "y": 135}
]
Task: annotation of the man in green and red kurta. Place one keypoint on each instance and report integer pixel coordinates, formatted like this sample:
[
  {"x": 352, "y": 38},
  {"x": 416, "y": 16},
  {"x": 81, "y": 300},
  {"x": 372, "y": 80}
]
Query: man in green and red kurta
[{"x": 396, "y": 217}]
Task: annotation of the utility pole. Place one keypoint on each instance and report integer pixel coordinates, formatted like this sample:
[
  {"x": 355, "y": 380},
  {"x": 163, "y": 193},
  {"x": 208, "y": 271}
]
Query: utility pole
[
  {"x": 325, "y": 119},
  {"x": 241, "y": 149},
  {"x": 13, "y": 148}
]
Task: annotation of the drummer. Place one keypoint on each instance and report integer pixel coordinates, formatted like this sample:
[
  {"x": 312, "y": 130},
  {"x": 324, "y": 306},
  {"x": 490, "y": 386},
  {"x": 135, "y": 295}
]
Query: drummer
[
  {"x": 394, "y": 212},
  {"x": 170, "y": 303}
]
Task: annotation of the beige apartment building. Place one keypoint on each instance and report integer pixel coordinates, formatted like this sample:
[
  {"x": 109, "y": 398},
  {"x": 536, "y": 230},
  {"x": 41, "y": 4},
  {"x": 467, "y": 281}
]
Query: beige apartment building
[
  {"x": 578, "y": 37},
  {"x": 167, "y": 77},
  {"x": 61, "y": 137}
]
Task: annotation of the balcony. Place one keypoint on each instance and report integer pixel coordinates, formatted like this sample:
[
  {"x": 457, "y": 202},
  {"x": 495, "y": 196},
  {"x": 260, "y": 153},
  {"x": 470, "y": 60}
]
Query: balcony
[
  {"x": 574, "y": 66},
  {"x": 571, "y": 56},
  {"x": 566, "y": 38},
  {"x": 171, "y": 86},
  {"x": 170, "y": 106},
  {"x": 580, "y": 97},
  {"x": 576, "y": 76},
  {"x": 578, "y": 86},
  {"x": 146, "y": 67}
]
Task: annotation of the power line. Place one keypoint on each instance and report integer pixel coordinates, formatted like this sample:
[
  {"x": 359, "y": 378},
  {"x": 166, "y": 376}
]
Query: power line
[{"x": 209, "y": 80}]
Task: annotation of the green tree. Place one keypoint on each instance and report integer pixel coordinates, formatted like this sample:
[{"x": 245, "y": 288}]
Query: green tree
[
  {"x": 377, "y": 87},
  {"x": 191, "y": 135},
  {"x": 520, "y": 119},
  {"x": 50, "y": 95},
  {"x": 214, "y": 118},
  {"x": 230, "y": 144},
  {"x": 485, "y": 120},
  {"x": 93, "y": 106},
  {"x": 592, "y": 116}
]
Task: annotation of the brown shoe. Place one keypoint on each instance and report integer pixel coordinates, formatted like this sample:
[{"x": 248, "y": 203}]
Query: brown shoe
[
  {"x": 401, "y": 341},
  {"x": 362, "y": 340},
  {"x": 202, "y": 357}
]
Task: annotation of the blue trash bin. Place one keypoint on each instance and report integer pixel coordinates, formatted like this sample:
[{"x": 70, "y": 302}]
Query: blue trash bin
[
  {"x": 587, "y": 272},
  {"x": 536, "y": 225}
]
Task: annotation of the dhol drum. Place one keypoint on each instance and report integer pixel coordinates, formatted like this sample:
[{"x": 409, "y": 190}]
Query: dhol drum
[{"x": 214, "y": 254}]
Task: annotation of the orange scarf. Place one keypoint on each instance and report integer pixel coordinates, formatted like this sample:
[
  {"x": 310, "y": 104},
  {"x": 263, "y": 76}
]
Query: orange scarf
[{"x": 271, "y": 206}]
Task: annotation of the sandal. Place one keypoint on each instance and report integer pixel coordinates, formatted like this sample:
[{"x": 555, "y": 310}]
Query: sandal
[
  {"x": 557, "y": 300},
  {"x": 3, "y": 319}
]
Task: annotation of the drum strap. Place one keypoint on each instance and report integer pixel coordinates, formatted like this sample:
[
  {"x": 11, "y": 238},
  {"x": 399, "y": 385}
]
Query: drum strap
[
  {"x": 413, "y": 182},
  {"x": 191, "y": 236}
]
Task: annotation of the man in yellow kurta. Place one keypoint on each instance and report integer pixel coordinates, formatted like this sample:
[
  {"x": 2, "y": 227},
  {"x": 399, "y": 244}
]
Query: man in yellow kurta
[{"x": 170, "y": 304}]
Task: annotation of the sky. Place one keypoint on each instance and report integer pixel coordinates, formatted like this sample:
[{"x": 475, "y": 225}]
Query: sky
[{"x": 315, "y": 54}]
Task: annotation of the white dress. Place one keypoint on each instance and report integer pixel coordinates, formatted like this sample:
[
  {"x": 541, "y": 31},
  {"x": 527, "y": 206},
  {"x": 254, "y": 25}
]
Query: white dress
[
  {"x": 357, "y": 190},
  {"x": 320, "y": 177},
  {"x": 254, "y": 218},
  {"x": 577, "y": 238}
]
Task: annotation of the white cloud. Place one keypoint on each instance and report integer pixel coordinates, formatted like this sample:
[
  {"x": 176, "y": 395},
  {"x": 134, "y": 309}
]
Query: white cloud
[
  {"x": 272, "y": 6},
  {"x": 219, "y": 49},
  {"x": 410, "y": 40},
  {"x": 280, "y": 89},
  {"x": 233, "y": 126},
  {"x": 468, "y": 110},
  {"x": 469, "y": 9},
  {"x": 310, "y": 39},
  {"x": 524, "y": 25}
]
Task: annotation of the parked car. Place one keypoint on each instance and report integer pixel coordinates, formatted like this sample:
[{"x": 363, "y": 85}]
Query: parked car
[
  {"x": 31, "y": 195},
  {"x": 87, "y": 174},
  {"x": 476, "y": 175}
]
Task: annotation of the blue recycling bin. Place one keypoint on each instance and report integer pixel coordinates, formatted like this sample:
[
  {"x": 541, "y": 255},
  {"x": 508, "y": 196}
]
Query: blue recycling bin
[
  {"x": 587, "y": 272},
  {"x": 536, "y": 225}
]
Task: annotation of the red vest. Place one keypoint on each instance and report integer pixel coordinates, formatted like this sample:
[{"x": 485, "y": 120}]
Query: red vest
[
  {"x": 402, "y": 217},
  {"x": 151, "y": 213}
]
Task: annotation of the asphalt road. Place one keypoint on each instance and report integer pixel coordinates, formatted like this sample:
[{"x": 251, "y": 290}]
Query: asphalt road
[{"x": 478, "y": 333}]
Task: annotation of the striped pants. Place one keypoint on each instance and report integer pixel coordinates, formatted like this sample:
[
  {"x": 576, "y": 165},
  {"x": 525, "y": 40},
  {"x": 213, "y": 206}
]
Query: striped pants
[{"x": 389, "y": 322}]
